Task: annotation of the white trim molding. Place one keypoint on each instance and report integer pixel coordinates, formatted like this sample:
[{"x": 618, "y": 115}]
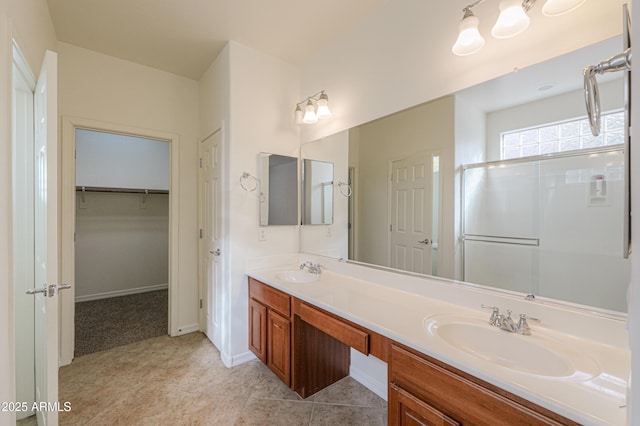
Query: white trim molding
[{"x": 118, "y": 293}]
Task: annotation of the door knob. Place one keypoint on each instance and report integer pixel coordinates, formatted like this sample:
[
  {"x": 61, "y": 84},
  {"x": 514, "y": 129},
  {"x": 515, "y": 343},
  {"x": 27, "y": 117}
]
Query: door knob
[
  {"x": 37, "y": 290},
  {"x": 215, "y": 253},
  {"x": 49, "y": 290},
  {"x": 425, "y": 241}
]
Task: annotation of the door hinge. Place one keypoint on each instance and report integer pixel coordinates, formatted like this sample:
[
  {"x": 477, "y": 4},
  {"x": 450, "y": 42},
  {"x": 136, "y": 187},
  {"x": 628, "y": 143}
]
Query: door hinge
[
  {"x": 391, "y": 228},
  {"x": 200, "y": 303},
  {"x": 200, "y": 162},
  {"x": 201, "y": 233}
]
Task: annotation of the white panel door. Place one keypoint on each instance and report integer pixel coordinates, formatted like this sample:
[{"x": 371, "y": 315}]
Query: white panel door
[
  {"x": 410, "y": 227},
  {"x": 23, "y": 233},
  {"x": 46, "y": 241},
  {"x": 211, "y": 236}
]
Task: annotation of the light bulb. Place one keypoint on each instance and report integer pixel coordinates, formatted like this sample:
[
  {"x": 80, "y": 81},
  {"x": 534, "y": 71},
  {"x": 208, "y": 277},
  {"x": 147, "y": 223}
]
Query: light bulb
[
  {"x": 310, "y": 116},
  {"x": 323, "y": 107},
  {"x": 512, "y": 20},
  {"x": 559, "y": 7},
  {"x": 469, "y": 39}
]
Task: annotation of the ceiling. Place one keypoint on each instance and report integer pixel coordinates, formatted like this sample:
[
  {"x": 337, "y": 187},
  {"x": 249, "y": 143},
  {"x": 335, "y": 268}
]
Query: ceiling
[{"x": 184, "y": 36}]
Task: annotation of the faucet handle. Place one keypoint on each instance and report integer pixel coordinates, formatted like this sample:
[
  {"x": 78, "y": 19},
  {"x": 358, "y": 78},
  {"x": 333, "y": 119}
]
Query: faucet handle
[
  {"x": 527, "y": 317},
  {"x": 523, "y": 325},
  {"x": 493, "y": 308},
  {"x": 495, "y": 318}
]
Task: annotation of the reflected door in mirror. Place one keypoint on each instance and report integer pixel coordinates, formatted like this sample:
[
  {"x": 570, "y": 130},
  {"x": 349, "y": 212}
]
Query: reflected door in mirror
[{"x": 410, "y": 229}]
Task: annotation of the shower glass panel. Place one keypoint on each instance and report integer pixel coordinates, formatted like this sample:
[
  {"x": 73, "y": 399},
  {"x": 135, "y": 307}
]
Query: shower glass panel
[{"x": 549, "y": 226}]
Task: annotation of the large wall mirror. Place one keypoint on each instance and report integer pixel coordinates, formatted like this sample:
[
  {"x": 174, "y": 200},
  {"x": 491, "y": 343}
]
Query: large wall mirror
[
  {"x": 278, "y": 189},
  {"x": 499, "y": 185}
]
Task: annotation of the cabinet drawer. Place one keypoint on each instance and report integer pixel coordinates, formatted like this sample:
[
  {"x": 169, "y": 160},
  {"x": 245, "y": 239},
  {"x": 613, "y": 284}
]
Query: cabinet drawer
[
  {"x": 407, "y": 410},
  {"x": 458, "y": 397},
  {"x": 335, "y": 328},
  {"x": 270, "y": 297}
]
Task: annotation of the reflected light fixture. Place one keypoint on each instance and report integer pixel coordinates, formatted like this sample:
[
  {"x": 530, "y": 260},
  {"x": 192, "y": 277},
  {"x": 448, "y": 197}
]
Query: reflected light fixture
[
  {"x": 513, "y": 20},
  {"x": 316, "y": 107}
]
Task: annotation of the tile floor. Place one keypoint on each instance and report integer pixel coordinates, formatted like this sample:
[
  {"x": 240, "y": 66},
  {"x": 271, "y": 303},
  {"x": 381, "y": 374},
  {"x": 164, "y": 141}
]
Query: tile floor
[{"x": 182, "y": 381}]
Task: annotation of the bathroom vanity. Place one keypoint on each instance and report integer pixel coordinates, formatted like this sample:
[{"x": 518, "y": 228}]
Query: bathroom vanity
[{"x": 303, "y": 326}]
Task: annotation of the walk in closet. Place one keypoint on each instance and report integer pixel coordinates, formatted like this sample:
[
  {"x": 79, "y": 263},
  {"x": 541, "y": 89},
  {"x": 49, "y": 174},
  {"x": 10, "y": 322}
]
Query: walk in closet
[{"x": 121, "y": 240}]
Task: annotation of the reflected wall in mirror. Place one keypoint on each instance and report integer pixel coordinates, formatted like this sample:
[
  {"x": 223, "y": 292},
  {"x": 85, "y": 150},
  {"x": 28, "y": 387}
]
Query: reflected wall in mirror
[
  {"x": 413, "y": 161},
  {"x": 278, "y": 189},
  {"x": 330, "y": 239},
  {"x": 317, "y": 192}
]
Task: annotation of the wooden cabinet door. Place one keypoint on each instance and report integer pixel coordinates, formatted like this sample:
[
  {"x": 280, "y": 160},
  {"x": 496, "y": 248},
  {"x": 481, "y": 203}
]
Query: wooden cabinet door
[
  {"x": 279, "y": 346},
  {"x": 258, "y": 329},
  {"x": 407, "y": 410}
]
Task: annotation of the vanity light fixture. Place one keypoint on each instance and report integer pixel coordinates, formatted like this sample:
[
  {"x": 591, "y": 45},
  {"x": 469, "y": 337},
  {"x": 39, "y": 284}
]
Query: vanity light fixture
[
  {"x": 512, "y": 21},
  {"x": 316, "y": 107},
  {"x": 469, "y": 39}
]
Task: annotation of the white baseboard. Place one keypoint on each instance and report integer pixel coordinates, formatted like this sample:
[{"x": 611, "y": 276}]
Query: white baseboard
[
  {"x": 186, "y": 329},
  {"x": 370, "y": 372},
  {"x": 117, "y": 293},
  {"x": 233, "y": 361},
  {"x": 242, "y": 358}
]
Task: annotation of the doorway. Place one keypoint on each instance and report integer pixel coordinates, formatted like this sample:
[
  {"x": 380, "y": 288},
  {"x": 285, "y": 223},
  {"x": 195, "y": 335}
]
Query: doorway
[
  {"x": 122, "y": 239},
  {"x": 81, "y": 222}
]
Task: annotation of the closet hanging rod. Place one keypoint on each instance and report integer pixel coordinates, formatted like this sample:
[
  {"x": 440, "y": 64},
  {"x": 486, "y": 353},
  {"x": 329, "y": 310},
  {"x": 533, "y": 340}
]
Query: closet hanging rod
[{"x": 120, "y": 190}]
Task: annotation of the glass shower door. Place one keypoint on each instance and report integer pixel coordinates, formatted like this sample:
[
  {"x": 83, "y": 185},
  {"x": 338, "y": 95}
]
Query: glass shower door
[{"x": 549, "y": 226}]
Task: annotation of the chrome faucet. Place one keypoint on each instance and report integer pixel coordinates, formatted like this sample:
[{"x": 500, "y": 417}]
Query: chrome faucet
[
  {"x": 313, "y": 268},
  {"x": 507, "y": 324},
  {"x": 496, "y": 317}
]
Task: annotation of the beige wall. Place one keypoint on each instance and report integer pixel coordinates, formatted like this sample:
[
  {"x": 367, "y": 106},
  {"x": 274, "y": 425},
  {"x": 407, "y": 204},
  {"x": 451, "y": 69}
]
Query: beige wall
[
  {"x": 246, "y": 92},
  {"x": 7, "y": 358},
  {"x": 94, "y": 86},
  {"x": 400, "y": 56},
  {"x": 261, "y": 88},
  {"x": 427, "y": 127},
  {"x": 32, "y": 28}
]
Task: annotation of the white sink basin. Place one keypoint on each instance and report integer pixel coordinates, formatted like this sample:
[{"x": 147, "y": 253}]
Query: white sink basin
[
  {"x": 537, "y": 354},
  {"x": 296, "y": 276}
]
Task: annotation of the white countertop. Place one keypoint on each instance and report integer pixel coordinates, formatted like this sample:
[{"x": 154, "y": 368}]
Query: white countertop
[{"x": 399, "y": 314}]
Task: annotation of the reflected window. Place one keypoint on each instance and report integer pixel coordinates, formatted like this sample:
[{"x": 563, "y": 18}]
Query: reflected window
[{"x": 562, "y": 136}]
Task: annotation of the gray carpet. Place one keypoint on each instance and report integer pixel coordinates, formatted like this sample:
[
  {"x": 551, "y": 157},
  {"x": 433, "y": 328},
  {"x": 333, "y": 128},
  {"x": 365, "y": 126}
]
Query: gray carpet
[{"x": 117, "y": 321}]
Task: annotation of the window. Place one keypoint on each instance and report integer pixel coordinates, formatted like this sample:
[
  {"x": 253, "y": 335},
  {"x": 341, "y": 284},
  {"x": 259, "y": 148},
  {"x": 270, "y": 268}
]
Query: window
[{"x": 562, "y": 136}]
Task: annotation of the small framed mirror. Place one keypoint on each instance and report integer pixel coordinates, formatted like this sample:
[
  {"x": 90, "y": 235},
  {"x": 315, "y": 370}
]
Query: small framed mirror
[
  {"x": 317, "y": 192},
  {"x": 278, "y": 189}
]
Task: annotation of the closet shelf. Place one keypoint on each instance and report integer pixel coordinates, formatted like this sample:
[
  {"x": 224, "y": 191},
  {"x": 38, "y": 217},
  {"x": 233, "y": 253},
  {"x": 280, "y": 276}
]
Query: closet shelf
[{"x": 120, "y": 190}]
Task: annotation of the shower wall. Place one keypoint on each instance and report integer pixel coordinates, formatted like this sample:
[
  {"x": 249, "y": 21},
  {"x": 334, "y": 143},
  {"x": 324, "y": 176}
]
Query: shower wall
[{"x": 549, "y": 227}]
